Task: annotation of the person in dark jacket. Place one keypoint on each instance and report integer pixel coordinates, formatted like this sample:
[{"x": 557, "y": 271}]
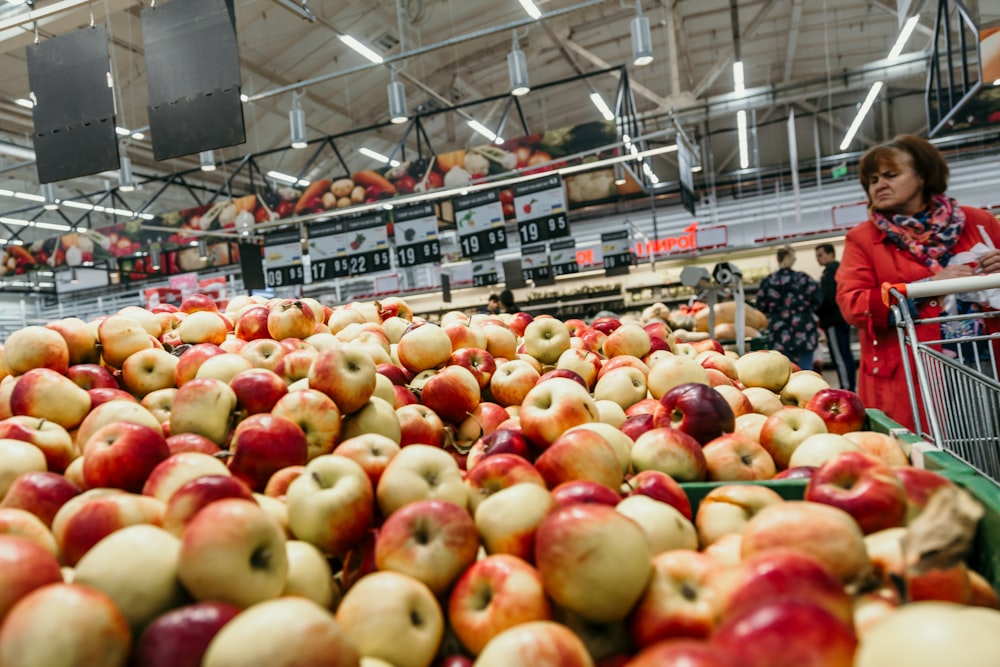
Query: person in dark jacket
[
  {"x": 789, "y": 299},
  {"x": 507, "y": 303},
  {"x": 838, "y": 331}
]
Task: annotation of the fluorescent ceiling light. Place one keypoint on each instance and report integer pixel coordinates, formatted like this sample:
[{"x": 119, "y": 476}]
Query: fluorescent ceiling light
[
  {"x": 24, "y": 102},
  {"x": 78, "y": 204},
  {"x": 122, "y": 132},
  {"x": 904, "y": 36},
  {"x": 738, "y": 82},
  {"x": 15, "y": 151},
  {"x": 741, "y": 126},
  {"x": 16, "y": 221},
  {"x": 529, "y": 7},
  {"x": 485, "y": 131},
  {"x": 29, "y": 196},
  {"x": 362, "y": 49},
  {"x": 6, "y": 193},
  {"x": 862, "y": 112},
  {"x": 244, "y": 98},
  {"x": 138, "y": 136},
  {"x": 601, "y": 106},
  {"x": 285, "y": 178},
  {"x": 375, "y": 155},
  {"x": 53, "y": 226}
]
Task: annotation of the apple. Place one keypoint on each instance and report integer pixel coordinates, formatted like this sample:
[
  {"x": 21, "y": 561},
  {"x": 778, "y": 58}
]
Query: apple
[
  {"x": 801, "y": 387},
  {"x": 420, "y": 425},
  {"x": 553, "y": 407},
  {"x": 344, "y": 374},
  {"x": 39, "y": 492},
  {"x": 233, "y": 551},
  {"x": 122, "y": 455},
  {"x": 696, "y": 409},
  {"x": 768, "y": 369},
  {"x": 24, "y": 567},
  {"x": 376, "y": 416},
  {"x": 147, "y": 370},
  {"x": 750, "y": 424},
  {"x": 863, "y": 486},
  {"x": 44, "y": 393},
  {"x": 638, "y": 424},
  {"x": 841, "y": 409},
  {"x": 880, "y": 445},
  {"x": 81, "y": 340},
  {"x": 453, "y": 393},
  {"x": 786, "y": 429},
  {"x": 492, "y": 595},
  {"x": 494, "y": 473},
  {"x": 309, "y": 574},
  {"x": 501, "y": 342},
  {"x": 919, "y": 485},
  {"x": 736, "y": 457},
  {"x": 693, "y": 652},
  {"x": 623, "y": 361},
  {"x": 296, "y": 364},
  {"x": 564, "y": 373},
  {"x": 464, "y": 335},
  {"x": 35, "y": 347},
  {"x": 144, "y": 584},
  {"x": 672, "y": 371},
  {"x": 160, "y": 403},
  {"x": 195, "y": 494},
  {"x": 483, "y": 420},
  {"x": 679, "y": 601},
  {"x": 620, "y": 442},
  {"x": 828, "y": 534},
  {"x": 512, "y": 381},
  {"x": 225, "y": 366},
  {"x": 610, "y": 413},
  {"x": 291, "y": 318},
  {"x": 660, "y": 486},
  {"x": 670, "y": 451},
  {"x": 726, "y": 509},
  {"x": 508, "y": 519},
  {"x": 737, "y": 400},
  {"x": 626, "y": 386},
  {"x": 535, "y": 643},
  {"x": 21, "y": 523},
  {"x": 18, "y": 457},
  {"x": 584, "y": 491},
  {"x": 390, "y": 604},
  {"x": 580, "y": 454},
  {"x": 423, "y": 346},
  {"x": 545, "y": 339},
  {"x": 91, "y": 376},
  {"x": 509, "y": 440},
  {"x": 203, "y": 406},
  {"x": 191, "y": 442},
  {"x": 278, "y": 483},
  {"x": 252, "y": 324},
  {"x": 102, "y": 395},
  {"x": 420, "y": 472},
  {"x": 191, "y": 360},
  {"x": 371, "y": 451},
  {"x": 788, "y": 633},
  {"x": 179, "y": 469},
  {"x": 593, "y": 560},
  {"x": 86, "y": 519},
  {"x": 665, "y": 527},
  {"x": 585, "y": 363},
  {"x": 52, "y": 439},
  {"x": 203, "y": 327},
  {"x": 263, "y": 353},
  {"x": 262, "y": 444},
  {"x": 819, "y": 448},
  {"x": 716, "y": 360},
  {"x": 330, "y": 505},
  {"x": 628, "y": 339},
  {"x": 763, "y": 401},
  {"x": 433, "y": 541},
  {"x": 65, "y": 624}
]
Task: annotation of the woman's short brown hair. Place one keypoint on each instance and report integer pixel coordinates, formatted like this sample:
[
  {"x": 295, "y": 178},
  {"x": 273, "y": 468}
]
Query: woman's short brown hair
[{"x": 928, "y": 162}]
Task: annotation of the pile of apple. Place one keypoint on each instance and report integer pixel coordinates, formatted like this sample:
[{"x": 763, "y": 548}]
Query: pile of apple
[{"x": 284, "y": 483}]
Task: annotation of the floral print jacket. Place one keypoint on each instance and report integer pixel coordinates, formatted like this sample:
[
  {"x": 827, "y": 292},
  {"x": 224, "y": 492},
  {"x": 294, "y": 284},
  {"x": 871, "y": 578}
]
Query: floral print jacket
[{"x": 789, "y": 299}]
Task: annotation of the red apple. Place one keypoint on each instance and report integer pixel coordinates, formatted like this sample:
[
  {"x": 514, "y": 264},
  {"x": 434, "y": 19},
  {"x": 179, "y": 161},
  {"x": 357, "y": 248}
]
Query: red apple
[
  {"x": 420, "y": 424},
  {"x": 841, "y": 409},
  {"x": 252, "y": 324},
  {"x": 696, "y": 409},
  {"x": 101, "y": 395},
  {"x": 371, "y": 451},
  {"x": 735, "y": 457},
  {"x": 682, "y": 653},
  {"x": 801, "y": 472},
  {"x": 584, "y": 491},
  {"x": 398, "y": 375},
  {"x": 44, "y": 393},
  {"x": 121, "y": 455},
  {"x": 41, "y": 493},
  {"x": 671, "y": 451},
  {"x": 580, "y": 454},
  {"x": 257, "y": 390},
  {"x": 91, "y": 376},
  {"x": 552, "y": 408},
  {"x": 53, "y": 440},
  {"x": 24, "y": 567},
  {"x": 195, "y": 494},
  {"x": 263, "y": 444},
  {"x": 180, "y": 637},
  {"x": 191, "y": 360},
  {"x": 679, "y": 601},
  {"x": 191, "y": 442},
  {"x": 919, "y": 485},
  {"x": 453, "y": 393},
  {"x": 660, "y": 486},
  {"x": 864, "y": 487},
  {"x": 291, "y": 318},
  {"x": 478, "y": 361},
  {"x": 345, "y": 374},
  {"x": 501, "y": 441},
  {"x": 497, "y": 472},
  {"x": 637, "y": 424}
]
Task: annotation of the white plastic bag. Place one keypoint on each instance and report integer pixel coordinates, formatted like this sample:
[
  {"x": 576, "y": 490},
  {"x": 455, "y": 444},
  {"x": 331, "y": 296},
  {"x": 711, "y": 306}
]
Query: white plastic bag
[{"x": 986, "y": 297}]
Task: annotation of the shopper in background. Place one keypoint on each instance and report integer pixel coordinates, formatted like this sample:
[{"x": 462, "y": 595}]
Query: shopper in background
[
  {"x": 507, "y": 304},
  {"x": 836, "y": 328},
  {"x": 788, "y": 298},
  {"x": 912, "y": 231},
  {"x": 492, "y": 305}
]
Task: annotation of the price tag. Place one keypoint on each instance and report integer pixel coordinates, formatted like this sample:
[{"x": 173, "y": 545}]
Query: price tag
[
  {"x": 480, "y": 224},
  {"x": 540, "y": 210},
  {"x": 283, "y": 259},
  {"x": 562, "y": 257},
  {"x": 484, "y": 271},
  {"x": 328, "y": 252},
  {"x": 367, "y": 244},
  {"x": 535, "y": 262},
  {"x": 416, "y": 235},
  {"x": 616, "y": 250}
]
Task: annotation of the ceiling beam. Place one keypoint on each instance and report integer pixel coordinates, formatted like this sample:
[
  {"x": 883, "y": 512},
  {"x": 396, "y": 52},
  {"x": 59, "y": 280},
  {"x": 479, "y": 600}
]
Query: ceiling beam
[
  {"x": 600, "y": 63},
  {"x": 725, "y": 58},
  {"x": 793, "y": 39}
]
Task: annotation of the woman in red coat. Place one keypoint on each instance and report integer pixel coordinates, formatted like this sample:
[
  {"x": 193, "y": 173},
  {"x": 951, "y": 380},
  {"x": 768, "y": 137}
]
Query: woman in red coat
[{"x": 912, "y": 232}]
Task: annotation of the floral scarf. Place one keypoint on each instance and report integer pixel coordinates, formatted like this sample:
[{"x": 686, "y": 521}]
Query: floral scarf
[{"x": 929, "y": 235}]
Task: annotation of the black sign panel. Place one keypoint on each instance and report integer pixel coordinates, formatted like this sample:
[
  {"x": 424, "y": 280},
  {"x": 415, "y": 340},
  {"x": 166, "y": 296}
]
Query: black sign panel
[
  {"x": 562, "y": 257},
  {"x": 74, "y": 110},
  {"x": 193, "y": 77}
]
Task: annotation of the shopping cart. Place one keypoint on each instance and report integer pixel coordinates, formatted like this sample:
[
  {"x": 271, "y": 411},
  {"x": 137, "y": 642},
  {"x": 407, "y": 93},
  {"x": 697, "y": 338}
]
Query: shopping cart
[{"x": 953, "y": 384}]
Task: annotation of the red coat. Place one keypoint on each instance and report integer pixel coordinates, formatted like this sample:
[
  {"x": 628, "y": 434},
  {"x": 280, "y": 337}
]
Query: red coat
[{"x": 869, "y": 260}]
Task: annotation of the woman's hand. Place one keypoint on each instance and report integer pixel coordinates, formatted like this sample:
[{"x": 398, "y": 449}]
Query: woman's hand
[
  {"x": 957, "y": 271},
  {"x": 990, "y": 262}
]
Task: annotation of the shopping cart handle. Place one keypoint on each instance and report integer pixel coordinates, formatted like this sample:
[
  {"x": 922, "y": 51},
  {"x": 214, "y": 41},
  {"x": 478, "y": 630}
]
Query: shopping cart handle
[{"x": 928, "y": 288}]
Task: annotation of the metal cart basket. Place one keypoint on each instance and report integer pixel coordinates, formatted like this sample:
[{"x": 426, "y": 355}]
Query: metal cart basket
[{"x": 952, "y": 383}]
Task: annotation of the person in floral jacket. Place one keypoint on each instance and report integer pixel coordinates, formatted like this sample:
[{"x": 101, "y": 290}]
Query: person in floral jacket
[{"x": 789, "y": 299}]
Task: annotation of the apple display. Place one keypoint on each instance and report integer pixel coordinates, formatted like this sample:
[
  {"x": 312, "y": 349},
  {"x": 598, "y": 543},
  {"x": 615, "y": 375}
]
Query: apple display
[
  {"x": 696, "y": 409},
  {"x": 863, "y": 486},
  {"x": 330, "y": 505},
  {"x": 593, "y": 560},
  {"x": 670, "y": 451}
]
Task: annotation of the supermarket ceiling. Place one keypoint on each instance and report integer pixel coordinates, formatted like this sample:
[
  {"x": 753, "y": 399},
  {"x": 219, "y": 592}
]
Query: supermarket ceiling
[{"x": 814, "y": 58}]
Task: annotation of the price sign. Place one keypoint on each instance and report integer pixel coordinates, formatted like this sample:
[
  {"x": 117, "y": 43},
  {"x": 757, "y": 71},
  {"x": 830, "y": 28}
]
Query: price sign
[
  {"x": 484, "y": 271},
  {"x": 479, "y": 220},
  {"x": 540, "y": 210},
  {"x": 328, "y": 252},
  {"x": 416, "y": 231},
  {"x": 535, "y": 262},
  {"x": 283, "y": 259},
  {"x": 562, "y": 257},
  {"x": 367, "y": 244},
  {"x": 616, "y": 250}
]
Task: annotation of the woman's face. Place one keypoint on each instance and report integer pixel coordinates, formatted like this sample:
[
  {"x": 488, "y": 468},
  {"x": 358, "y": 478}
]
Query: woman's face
[{"x": 896, "y": 187}]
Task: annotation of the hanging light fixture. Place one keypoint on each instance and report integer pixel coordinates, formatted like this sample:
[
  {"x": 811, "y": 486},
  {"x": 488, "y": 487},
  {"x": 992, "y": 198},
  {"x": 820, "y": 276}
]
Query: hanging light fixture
[
  {"x": 202, "y": 248},
  {"x": 49, "y": 193},
  {"x": 207, "y": 160},
  {"x": 125, "y": 182},
  {"x": 397, "y": 100},
  {"x": 619, "y": 174},
  {"x": 297, "y": 123},
  {"x": 72, "y": 276},
  {"x": 154, "y": 256},
  {"x": 517, "y": 67},
  {"x": 642, "y": 40}
]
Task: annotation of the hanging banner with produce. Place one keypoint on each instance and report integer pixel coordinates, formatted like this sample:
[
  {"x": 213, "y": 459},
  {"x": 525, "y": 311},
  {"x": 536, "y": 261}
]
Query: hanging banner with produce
[
  {"x": 415, "y": 229},
  {"x": 283, "y": 259},
  {"x": 484, "y": 271},
  {"x": 480, "y": 223},
  {"x": 535, "y": 262},
  {"x": 328, "y": 251},
  {"x": 562, "y": 257},
  {"x": 540, "y": 209},
  {"x": 616, "y": 250},
  {"x": 368, "y": 243}
]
